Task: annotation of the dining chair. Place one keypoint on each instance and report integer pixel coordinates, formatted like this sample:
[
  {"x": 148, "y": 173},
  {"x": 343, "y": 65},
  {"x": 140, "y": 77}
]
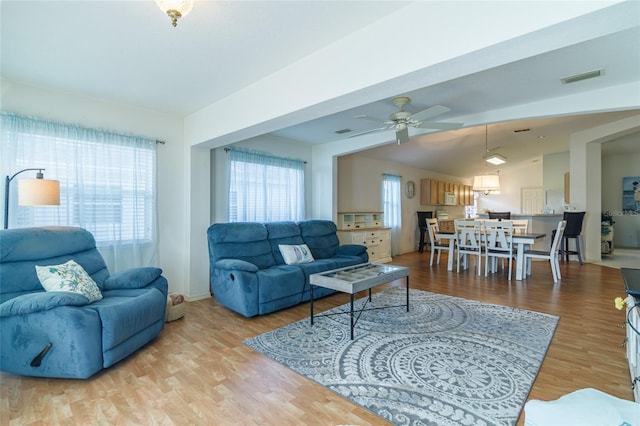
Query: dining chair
[
  {"x": 520, "y": 226},
  {"x": 500, "y": 215},
  {"x": 552, "y": 255},
  {"x": 422, "y": 227},
  {"x": 436, "y": 244},
  {"x": 468, "y": 236},
  {"x": 572, "y": 231},
  {"x": 498, "y": 244}
]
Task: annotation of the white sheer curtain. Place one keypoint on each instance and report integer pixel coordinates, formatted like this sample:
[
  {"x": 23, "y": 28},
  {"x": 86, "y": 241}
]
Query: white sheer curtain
[
  {"x": 107, "y": 184},
  {"x": 263, "y": 188},
  {"x": 392, "y": 206}
]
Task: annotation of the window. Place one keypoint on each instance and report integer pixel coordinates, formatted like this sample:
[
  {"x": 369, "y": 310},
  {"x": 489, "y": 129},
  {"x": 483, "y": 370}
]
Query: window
[
  {"x": 107, "y": 184},
  {"x": 392, "y": 208},
  {"x": 263, "y": 188}
]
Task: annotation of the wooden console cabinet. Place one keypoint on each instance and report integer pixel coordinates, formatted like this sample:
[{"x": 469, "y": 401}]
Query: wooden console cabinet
[{"x": 366, "y": 228}]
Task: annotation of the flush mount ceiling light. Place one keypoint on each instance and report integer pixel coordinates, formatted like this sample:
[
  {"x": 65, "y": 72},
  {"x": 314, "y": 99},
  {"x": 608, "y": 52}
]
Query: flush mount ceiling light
[
  {"x": 495, "y": 159},
  {"x": 175, "y": 8}
]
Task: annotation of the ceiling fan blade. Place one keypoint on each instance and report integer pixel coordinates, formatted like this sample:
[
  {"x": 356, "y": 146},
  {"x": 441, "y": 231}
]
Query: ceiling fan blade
[
  {"x": 402, "y": 136},
  {"x": 429, "y": 113},
  {"x": 379, "y": 129},
  {"x": 439, "y": 125},
  {"x": 366, "y": 117}
]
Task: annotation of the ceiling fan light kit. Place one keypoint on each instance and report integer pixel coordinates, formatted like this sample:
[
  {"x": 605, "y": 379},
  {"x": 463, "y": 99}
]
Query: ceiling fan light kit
[
  {"x": 496, "y": 159},
  {"x": 175, "y": 9}
]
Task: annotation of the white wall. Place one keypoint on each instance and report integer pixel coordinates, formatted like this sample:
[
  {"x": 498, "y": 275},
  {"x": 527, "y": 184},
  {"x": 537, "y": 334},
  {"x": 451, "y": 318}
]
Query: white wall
[
  {"x": 360, "y": 189},
  {"x": 614, "y": 168},
  {"x": 87, "y": 112},
  {"x": 586, "y": 175},
  {"x": 512, "y": 181}
]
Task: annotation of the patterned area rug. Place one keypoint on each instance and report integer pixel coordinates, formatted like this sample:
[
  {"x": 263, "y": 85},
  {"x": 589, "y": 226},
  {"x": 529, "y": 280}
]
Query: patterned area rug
[{"x": 448, "y": 361}]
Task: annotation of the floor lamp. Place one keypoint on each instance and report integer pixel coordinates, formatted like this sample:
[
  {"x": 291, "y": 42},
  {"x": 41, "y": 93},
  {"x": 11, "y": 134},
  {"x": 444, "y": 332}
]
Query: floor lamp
[{"x": 32, "y": 192}]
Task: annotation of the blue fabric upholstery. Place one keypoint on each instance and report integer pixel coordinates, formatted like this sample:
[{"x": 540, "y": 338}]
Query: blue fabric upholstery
[
  {"x": 84, "y": 337},
  {"x": 249, "y": 275}
]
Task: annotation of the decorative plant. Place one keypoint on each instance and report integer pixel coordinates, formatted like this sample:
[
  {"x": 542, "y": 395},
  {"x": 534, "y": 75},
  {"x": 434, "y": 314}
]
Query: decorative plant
[
  {"x": 620, "y": 303},
  {"x": 607, "y": 217}
]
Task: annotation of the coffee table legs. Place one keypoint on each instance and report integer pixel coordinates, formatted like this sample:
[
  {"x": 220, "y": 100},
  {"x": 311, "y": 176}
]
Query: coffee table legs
[
  {"x": 311, "y": 304},
  {"x": 407, "y": 293},
  {"x": 351, "y": 300}
]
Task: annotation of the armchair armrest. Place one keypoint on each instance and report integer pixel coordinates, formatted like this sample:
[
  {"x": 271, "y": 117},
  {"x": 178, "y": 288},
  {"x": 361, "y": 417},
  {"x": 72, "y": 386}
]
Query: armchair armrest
[
  {"x": 351, "y": 250},
  {"x": 237, "y": 265},
  {"x": 41, "y": 301},
  {"x": 132, "y": 278}
]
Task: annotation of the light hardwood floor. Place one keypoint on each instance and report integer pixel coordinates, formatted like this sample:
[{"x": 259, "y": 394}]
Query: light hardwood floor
[{"x": 199, "y": 372}]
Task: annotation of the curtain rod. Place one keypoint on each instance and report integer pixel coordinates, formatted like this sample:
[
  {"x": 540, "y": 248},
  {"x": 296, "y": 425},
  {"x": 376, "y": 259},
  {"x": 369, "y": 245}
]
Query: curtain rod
[{"x": 264, "y": 154}]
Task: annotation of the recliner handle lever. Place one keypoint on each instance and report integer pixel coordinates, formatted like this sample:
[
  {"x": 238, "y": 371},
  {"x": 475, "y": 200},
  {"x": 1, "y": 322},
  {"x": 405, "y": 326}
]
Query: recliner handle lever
[{"x": 38, "y": 359}]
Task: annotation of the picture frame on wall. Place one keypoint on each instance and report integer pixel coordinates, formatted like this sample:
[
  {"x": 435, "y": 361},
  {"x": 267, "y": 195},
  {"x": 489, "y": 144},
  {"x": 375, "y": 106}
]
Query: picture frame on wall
[{"x": 631, "y": 194}]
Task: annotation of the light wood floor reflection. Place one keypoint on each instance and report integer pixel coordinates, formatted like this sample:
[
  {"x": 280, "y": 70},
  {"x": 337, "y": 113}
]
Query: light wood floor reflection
[{"x": 199, "y": 372}]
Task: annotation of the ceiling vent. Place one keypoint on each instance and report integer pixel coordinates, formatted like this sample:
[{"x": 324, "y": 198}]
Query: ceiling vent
[
  {"x": 583, "y": 76},
  {"x": 341, "y": 131},
  {"x": 521, "y": 130}
]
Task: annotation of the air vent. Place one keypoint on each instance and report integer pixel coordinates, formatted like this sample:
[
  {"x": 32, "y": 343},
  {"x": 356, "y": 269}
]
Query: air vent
[
  {"x": 583, "y": 76},
  {"x": 521, "y": 130},
  {"x": 341, "y": 131}
]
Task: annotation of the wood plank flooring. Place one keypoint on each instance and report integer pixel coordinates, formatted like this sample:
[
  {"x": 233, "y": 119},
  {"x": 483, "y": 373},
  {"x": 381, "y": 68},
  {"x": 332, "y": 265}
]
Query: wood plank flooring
[{"x": 199, "y": 372}]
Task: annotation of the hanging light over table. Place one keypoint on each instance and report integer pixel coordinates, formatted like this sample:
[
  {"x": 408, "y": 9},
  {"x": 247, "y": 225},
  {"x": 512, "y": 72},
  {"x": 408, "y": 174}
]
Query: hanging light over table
[{"x": 486, "y": 183}]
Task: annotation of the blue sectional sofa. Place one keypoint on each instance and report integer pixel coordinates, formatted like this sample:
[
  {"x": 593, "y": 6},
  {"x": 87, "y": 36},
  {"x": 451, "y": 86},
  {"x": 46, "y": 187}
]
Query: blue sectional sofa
[
  {"x": 249, "y": 274},
  {"x": 60, "y": 333}
]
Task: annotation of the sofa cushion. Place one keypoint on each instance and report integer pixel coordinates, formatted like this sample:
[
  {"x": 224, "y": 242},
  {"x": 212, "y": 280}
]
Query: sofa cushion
[
  {"x": 294, "y": 254},
  {"x": 124, "y": 313},
  {"x": 69, "y": 277},
  {"x": 321, "y": 237},
  {"x": 279, "y": 281},
  {"x": 21, "y": 249},
  {"x": 40, "y": 301},
  {"x": 240, "y": 240},
  {"x": 282, "y": 233}
]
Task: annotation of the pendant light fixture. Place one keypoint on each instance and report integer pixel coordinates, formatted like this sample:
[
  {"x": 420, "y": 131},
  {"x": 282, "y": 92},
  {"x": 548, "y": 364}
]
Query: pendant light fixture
[
  {"x": 175, "y": 8},
  {"x": 486, "y": 183}
]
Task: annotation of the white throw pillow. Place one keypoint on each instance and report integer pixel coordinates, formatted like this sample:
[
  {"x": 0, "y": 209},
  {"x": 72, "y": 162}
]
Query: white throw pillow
[
  {"x": 293, "y": 254},
  {"x": 69, "y": 277}
]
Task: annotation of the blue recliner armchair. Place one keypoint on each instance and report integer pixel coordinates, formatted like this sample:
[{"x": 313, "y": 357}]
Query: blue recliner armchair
[{"x": 60, "y": 334}]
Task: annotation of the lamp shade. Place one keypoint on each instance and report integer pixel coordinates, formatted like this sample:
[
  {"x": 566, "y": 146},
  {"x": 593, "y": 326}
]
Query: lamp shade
[
  {"x": 486, "y": 183},
  {"x": 38, "y": 192}
]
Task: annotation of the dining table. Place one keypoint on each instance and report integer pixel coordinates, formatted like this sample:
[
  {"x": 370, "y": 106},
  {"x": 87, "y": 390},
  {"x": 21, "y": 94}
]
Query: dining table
[{"x": 521, "y": 242}]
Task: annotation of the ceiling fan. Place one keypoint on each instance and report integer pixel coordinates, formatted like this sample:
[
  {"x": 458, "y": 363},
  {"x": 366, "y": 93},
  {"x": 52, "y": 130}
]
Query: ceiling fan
[{"x": 401, "y": 120}]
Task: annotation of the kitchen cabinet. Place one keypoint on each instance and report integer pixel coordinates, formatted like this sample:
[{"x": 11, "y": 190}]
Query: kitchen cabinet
[{"x": 432, "y": 192}]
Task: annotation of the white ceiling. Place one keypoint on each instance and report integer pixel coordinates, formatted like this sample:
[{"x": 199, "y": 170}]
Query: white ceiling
[{"x": 127, "y": 51}]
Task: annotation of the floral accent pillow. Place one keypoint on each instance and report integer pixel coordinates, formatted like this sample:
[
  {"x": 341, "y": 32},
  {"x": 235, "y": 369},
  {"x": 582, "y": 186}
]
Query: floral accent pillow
[
  {"x": 293, "y": 254},
  {"x": 69, "y": 277}
]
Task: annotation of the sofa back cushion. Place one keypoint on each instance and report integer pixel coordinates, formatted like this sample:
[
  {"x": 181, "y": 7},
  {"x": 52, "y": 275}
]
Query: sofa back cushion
[
  {"x": 321, "y": 237},
  {"x": 240, "y": 240},
  {"x": 22, "y": 249},
  {"x": 286, "y": 233}
]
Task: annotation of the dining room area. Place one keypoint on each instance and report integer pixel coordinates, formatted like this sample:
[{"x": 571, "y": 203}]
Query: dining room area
[{"x": 490, "y": 244}]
